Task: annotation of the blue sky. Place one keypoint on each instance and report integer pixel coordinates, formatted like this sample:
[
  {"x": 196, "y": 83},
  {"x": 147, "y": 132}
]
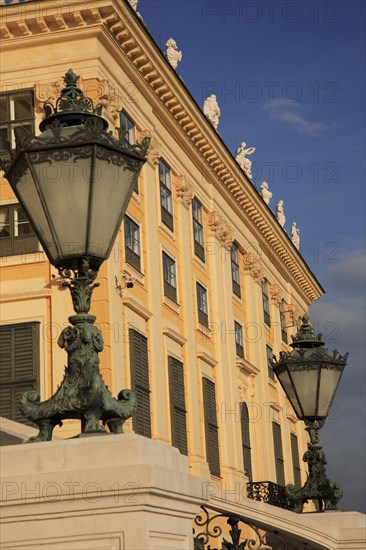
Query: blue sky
[{"x": 290, "y": 80}]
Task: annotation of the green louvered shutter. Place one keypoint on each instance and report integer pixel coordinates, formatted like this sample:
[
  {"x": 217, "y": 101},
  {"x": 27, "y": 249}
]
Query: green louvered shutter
[
  {"x": 295, "y": 461},
  {"x": 19, "y": 366},
  {"x": 277, "y": 444},
  {"x": 140, "y": 382},
  {"x": 177, "y": 405},
  {"x": 245, "y": 437},
  {"x": 211, "y": 427}
]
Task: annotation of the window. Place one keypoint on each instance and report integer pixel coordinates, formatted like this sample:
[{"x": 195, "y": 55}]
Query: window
[
  {"x": 177, "y": 405},
  {"x": 140, "y": 382},
  {"x": 267, "y": 317},
  {"x": 211, "y": 427},
  {"x": 16, "y": 233},
  {"x": 295, "y": 461},
  {"x": 202, "y": 305},
  {"x": 127, "y": 131},
  {"x": 166, "y": 198},
  {"x": 269, "y": 351},
  {"x": 239, "y": 339},
  {"x": 245, "y": 437},
  {"x": 16, "y": 109},
  {"x": 170, "y": 280},
  {"x": 235, "y": 269},
  {"x": 132, "y": 243},
  {"x": 283, "y": 321},
  {"x": 19, "y": 366},
  {"x": 197, "y": 212},
  {"x": 277, "y": 444}
]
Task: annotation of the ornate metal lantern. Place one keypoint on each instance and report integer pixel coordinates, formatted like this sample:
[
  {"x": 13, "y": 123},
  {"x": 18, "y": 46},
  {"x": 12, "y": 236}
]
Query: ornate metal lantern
[
  {"x": 75, "y": 180},
  {"x": 309, "y": 375}
]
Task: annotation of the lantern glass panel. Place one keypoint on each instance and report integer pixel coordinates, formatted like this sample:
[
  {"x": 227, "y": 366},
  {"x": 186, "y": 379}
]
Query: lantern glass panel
[
  {"x": 306, "y": 383},
  {"x": 328, "y": 385},
  {"x": 28, "y": 193},
  {"x": 112, "y": 190},
  {"x": 289, "y": 391},
  {"x": 65, "y": 187}
]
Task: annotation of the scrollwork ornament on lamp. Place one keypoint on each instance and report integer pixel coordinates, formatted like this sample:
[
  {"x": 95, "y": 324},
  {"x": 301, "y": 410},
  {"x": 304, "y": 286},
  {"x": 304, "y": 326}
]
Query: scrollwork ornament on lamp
[
  {"x": 310, "y": 375},
  {"x": 75, "y": 180}
]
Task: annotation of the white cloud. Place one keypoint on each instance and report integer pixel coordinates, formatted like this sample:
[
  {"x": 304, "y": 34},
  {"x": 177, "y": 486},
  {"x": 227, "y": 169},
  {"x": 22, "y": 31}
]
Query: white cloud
[{"x": 290, "y": 113}]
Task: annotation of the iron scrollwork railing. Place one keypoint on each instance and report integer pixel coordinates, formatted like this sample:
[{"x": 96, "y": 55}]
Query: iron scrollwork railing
[
  {"x": 241, "y": 535},
  {"x": 271, "y": 493}
]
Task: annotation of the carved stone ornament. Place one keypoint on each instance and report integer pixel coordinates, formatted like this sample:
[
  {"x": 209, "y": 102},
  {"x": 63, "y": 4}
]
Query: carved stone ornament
[
  {"x": 254, "y": 266},
  {"x": 108, "y": 96},
  {"x": 243, "y": 391},
  {"x": 47, "y": 91},
  {"x": 155, "y": 151},
  {"x": 295, "y": 235},
  {"x": 185, "y": 190},
  {"x": 275, "y": 294},
  {"x": 280, "y": 213},
  {"x": 221, "y": 228},
  {"x": 133, "y": 4}
]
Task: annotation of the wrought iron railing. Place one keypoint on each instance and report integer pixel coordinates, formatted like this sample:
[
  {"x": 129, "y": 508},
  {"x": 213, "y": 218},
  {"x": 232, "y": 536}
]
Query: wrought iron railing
[
  {"x": 232, "y": 532},
  {"x": 271, "y": 493}
]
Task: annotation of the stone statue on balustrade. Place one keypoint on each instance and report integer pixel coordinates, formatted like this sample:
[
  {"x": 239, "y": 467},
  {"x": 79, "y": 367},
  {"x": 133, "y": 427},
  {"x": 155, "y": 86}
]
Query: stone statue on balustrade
[
  {"x": 295, "y": 235},
  {"x": 241, "y": 158},
  {"x": 265, "y": 193},
  {"x": 171, "y": 53},
  {"x": 212, "y": 111},
  {"x": 280, "y": 214}
]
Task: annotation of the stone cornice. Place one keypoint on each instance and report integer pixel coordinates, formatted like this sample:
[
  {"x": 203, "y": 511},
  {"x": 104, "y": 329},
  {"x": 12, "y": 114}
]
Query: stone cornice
[{"x": 127, "y": 30}]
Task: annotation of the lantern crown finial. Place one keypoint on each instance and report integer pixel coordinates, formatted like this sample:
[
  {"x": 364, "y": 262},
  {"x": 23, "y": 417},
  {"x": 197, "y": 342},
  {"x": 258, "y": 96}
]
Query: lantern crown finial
[
  {"x": 305, "y": 336},
  {"x": 72, "y": 104}
]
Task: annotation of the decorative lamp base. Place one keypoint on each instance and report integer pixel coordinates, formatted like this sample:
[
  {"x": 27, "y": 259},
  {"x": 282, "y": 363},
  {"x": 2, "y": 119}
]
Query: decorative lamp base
[{"x": 82, "y": 394}]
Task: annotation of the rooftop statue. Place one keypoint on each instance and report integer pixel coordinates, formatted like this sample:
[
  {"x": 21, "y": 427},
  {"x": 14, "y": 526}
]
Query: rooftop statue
[
  {"x": 171, "y": 53},
  {"x": 280, "y": 214},
  {"x": 212, "y": 110},
  {"x": 265, "y": 193},
  {"x": 245, "y": 163},
  {"x": 295, "y": 235}
]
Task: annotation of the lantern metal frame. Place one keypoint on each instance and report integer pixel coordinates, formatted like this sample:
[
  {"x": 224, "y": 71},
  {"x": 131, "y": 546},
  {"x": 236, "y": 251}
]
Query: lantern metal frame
[
  {"x": 309, "y": 354},
  {"x": 74, "y": 126}
]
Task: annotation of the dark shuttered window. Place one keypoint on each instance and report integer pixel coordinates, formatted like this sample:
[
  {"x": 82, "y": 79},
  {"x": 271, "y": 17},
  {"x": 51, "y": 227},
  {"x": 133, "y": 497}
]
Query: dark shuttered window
[
  {"x": 19, "y": 366},
  {"x": 266, "y": 306},
  {"x": 197, "y": 211},
  {"x": 269, "y": 353},
  {"x": 245, "y": 436},
  {"x": 211, "y": 427},
  {"x": 177, "y": 405},
  {"x": 140, "y": 382},
  {"x": 277, "y": 444},
  {"x": 295, "y": 461},
  {"x": 166, "y": 197}
]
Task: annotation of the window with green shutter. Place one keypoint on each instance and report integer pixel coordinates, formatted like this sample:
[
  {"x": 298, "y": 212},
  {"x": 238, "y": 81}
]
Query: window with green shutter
[
  {"x": 19, "y": 366},
  {"x": 278, "y": 452},
  {"x": 245, "y": 436},
  {"x": 140, "y": 382},
  {"x": 295, "y": 461},
  {"x": 211, "y": 427},
  {"x": 177, "y": 405}
]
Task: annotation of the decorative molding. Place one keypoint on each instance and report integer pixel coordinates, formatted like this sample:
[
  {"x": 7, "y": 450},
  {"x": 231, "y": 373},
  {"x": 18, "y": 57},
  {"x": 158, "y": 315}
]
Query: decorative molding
[
  {"x": 185, "y": 190},
  {"x": 207, "y": 358},
  {"x": 221, "y": 228},
  {"x": 243, "y": 389},
  {"x": 254, "y": 266},
  {"x": 155, "y": 151},
  {"x": 247, "y": 367},
  {"x": 275, "y": 294},
  {"x": 174, "y": 335},
  {"x": 137, "y": 307}
]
